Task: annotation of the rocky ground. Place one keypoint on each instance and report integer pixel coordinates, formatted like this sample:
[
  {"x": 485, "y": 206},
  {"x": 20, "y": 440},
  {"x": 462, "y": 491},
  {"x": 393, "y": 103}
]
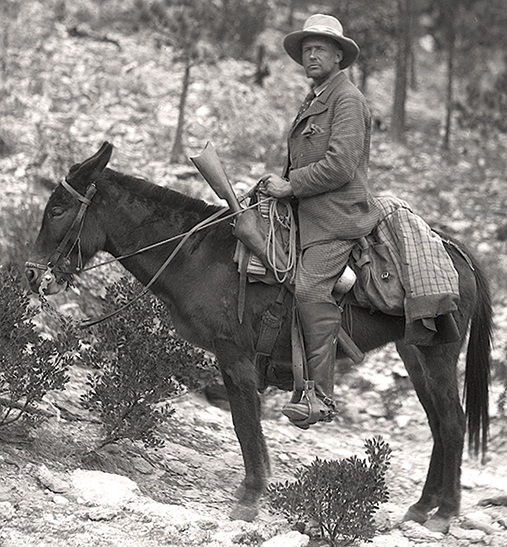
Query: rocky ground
[{"x": 55, "y": 491}]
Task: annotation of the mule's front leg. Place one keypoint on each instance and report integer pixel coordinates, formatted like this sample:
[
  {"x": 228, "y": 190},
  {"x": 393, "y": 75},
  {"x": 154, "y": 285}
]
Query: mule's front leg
[{"x": 240, "y": 379}]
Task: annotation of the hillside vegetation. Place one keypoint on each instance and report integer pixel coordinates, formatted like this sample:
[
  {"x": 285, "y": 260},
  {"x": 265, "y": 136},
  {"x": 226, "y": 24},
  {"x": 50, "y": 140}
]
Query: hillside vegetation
[{"x": 63, "y": 93}]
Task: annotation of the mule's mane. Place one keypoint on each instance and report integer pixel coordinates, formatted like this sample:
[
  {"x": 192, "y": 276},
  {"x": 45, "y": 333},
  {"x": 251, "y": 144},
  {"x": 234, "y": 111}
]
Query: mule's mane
[
  {"x": 159, "y": 195},
  {"x": 166, "y": 205}
]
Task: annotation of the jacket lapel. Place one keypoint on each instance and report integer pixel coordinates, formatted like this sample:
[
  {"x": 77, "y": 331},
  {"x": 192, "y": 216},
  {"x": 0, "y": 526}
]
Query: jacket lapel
[{"x": 319, "y": 105}]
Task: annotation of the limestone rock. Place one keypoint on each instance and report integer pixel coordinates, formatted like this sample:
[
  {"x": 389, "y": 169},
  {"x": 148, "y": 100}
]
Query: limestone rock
[
  {"x": 50, "y": 481},
  {"x": 104, "y": 489},
  {"x": 290, "y": 539}
]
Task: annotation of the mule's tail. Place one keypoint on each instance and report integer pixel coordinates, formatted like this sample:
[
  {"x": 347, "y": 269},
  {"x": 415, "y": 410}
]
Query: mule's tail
[{"x": 477, "y": 372}]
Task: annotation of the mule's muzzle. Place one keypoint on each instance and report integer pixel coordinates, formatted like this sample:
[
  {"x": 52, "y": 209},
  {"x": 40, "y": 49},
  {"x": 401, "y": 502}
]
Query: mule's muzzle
[{"x": 45, "y": 280}]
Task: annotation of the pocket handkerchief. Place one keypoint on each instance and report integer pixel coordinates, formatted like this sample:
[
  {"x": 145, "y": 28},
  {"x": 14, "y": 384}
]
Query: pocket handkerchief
[{"x": 312, "y": 129}]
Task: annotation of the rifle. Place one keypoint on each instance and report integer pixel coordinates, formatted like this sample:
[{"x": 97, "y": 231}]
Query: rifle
[{"x": 250, "y": 228}]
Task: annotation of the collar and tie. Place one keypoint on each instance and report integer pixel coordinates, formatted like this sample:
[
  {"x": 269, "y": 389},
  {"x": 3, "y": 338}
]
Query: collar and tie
[
  {"x": 304, "y": 107},
  {"x": 315, "y": 92}
]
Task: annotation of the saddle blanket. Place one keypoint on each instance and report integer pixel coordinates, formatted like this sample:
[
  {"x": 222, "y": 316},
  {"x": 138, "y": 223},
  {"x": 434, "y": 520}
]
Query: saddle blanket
[{"x": 427, "y": 273}]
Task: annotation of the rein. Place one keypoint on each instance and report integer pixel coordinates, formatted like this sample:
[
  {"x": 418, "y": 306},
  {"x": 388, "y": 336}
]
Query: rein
[{"x": 75, "y": 231}]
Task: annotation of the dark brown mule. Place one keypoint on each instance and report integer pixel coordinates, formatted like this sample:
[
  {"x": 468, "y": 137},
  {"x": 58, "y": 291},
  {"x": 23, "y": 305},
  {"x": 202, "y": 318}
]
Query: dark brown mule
[{"x": 201, "y": 285}]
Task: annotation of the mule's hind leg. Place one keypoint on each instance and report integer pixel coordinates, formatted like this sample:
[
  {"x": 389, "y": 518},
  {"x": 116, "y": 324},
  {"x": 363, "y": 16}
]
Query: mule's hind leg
[
  {"x": 240, "y": 379},
  {"x": 433, "y": 374},
  {"x": 432, "y": 489}
]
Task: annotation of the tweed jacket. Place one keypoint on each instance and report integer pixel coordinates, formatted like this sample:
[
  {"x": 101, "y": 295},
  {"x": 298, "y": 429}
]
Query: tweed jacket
[{"x": 327, "y": 166}]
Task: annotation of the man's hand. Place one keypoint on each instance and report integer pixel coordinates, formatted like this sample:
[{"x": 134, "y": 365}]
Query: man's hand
[{"x": 275, "y": 186}]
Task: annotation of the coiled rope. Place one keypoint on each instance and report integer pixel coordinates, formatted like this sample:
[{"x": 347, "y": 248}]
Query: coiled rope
[{"x": 282, "y": 225}]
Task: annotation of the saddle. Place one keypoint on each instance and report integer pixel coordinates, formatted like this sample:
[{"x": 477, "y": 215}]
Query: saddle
[{"x": 382, "y": 276}]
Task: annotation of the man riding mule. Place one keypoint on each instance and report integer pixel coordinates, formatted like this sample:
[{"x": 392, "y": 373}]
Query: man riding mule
[
  {"x": 144, "y": 226},
  {"x": 326, "y": 171}
]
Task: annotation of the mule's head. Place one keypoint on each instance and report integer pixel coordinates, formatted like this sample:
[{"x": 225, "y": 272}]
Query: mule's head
[{"x": 66, "y": 240}]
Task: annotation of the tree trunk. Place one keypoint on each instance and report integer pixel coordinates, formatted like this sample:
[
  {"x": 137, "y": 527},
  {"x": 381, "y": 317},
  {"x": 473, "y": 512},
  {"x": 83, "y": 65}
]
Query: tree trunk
[
  {"x": 449, "y": 99},
  {"x": 177, "y": 152},
  {"x": 413, "y": 71},
  {"x": 262, "y": 68},
  {"x": 290, "y": 13},
  {"x": 404, "y": 47},
  {"x": 363, "y": 82}
]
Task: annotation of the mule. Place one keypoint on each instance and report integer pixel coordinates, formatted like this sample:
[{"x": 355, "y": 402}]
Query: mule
[{"x": 201, "y": 285}]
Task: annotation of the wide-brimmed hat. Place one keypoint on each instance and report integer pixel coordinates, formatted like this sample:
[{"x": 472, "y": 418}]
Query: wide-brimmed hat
[{"x": 321, "y": 25}]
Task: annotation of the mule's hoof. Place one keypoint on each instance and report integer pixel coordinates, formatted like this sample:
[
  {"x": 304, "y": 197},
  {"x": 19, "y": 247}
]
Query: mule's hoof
[
  {"x": 244, "y": 512},
  {"x": 438, "y": 524},
  {"x": 240, "y": 491},
  {"x": 417, "y": 516}
]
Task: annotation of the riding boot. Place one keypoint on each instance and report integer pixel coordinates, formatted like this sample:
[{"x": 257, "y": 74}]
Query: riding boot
[{"x": 320, "y": 323}]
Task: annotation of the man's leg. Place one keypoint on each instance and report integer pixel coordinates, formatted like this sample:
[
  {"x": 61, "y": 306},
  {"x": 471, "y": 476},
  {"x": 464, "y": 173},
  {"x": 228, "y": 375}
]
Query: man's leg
[{"x": 320, "y": 320}]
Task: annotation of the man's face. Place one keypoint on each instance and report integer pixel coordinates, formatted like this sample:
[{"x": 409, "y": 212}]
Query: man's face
[{"x": 321, "y": 58}]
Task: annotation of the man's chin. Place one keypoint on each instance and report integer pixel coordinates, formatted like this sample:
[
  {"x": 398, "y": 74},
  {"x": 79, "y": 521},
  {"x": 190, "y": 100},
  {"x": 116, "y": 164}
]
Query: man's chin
[
  {"x": 318, "y": 76},
  {"x": 312, "y": 72}
]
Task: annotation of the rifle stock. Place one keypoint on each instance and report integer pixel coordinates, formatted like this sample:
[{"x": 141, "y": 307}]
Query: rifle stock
[
  {"x": 208, "y": 164},
  {"x": 249, "y": 227}
]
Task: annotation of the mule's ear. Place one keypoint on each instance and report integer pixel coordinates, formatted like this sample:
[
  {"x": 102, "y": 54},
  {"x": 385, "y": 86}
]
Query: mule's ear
[{"x": 90, "y": 169}]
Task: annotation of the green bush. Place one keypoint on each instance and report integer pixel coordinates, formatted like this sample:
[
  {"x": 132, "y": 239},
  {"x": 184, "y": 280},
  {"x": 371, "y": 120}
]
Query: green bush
[
  {"x": 342, "y": 496},
  {"x": 30, "y": 366},
  {"x": 142, "y": 364}
]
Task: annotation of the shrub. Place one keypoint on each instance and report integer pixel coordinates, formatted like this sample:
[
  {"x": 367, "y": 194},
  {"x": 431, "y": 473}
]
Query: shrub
[
  {"x": 142, "y": 364},
  {"x": 18, "y": 224},
  {"x": 499, "y": 368},
  {"x": 341, "y": 495},
  {"x": 30, "y": 366}
]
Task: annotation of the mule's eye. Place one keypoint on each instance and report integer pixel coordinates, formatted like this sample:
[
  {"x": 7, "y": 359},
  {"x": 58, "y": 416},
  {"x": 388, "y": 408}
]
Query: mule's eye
[{"x": 57, "y": 211}]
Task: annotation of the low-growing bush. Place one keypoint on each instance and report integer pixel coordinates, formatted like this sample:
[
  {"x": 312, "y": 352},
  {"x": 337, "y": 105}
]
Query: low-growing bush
[
  {"x": 499, "y": 376},
  {"x": 141, "y": 363},
  {"x": 18, "y": 227},
  {"x": 30, "y": 365},
  {"x": 342, "y": 496}
]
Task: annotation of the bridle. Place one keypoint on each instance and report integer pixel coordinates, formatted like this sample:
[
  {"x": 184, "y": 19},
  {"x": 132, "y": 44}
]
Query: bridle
[
  {"x": 71, "y": 239},
  {"x": 73, "y": 235}
]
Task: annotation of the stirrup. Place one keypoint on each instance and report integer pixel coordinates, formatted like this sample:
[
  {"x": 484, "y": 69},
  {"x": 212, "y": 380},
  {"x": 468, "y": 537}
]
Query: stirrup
[{"x": 314, "y": 414}]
